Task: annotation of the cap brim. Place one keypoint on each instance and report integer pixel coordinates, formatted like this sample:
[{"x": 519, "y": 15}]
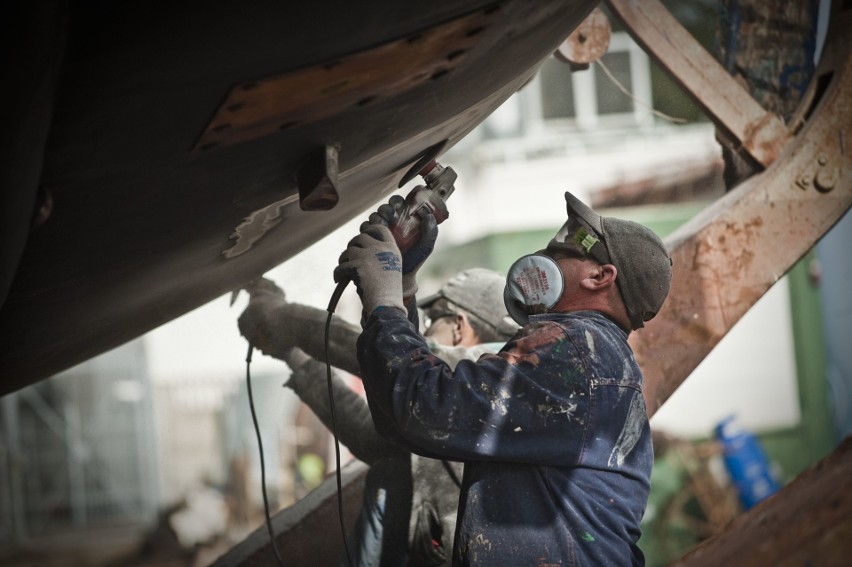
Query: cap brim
[
  {"x": 429, "y": 299},
  {"x": 580, "y": 209}
]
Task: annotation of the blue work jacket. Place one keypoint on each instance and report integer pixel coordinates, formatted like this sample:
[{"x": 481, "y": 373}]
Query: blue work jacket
[{"x": 553, "y": 432}]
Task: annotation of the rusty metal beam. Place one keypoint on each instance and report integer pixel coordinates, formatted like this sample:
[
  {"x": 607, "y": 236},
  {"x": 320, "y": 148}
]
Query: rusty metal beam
[
  {"x": 761, "y": 134},
  {"x": 808, "y": 522},
  {"x": 728, "y": 256}
]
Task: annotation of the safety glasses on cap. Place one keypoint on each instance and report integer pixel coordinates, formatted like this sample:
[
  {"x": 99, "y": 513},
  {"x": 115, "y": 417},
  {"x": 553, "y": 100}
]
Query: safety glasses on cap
[{"x": 579, "y": 239}]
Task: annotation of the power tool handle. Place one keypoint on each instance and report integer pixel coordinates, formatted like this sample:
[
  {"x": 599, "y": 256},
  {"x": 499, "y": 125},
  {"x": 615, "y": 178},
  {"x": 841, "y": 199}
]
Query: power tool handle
[{"x": 406, "y": 231}]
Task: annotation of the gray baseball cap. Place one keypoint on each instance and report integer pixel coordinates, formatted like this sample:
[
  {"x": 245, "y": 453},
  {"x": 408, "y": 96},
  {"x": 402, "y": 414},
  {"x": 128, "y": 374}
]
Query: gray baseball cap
[
  {"x": 480, "y": 292},
  {"x": 643, "y": 263}
]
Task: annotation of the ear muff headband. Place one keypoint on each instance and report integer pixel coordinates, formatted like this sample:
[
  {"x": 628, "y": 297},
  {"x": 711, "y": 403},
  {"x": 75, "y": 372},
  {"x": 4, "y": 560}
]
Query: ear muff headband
[{"x": 534, "y": 284}]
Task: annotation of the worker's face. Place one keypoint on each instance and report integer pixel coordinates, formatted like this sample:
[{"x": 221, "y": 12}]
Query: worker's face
[
  {"x": 566, "y": 259},
  {"x": 441, "y": 324},
  {"x": 574, "y": 265},
  {"x": 443, "y": 331}
]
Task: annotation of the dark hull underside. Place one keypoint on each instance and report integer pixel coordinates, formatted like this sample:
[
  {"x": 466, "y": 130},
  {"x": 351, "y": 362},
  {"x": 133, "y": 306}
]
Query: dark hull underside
[{"x": 141, "y": 135}]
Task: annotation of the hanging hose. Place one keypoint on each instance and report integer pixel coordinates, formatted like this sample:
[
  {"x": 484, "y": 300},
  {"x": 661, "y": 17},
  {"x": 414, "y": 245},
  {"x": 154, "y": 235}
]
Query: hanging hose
[
  {"x": 332, "y": 305},
  {"x": 262, "y": 463}
]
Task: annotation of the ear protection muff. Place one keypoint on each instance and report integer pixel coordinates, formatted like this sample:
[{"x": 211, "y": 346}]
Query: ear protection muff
[{"x": 533, "y": 285}]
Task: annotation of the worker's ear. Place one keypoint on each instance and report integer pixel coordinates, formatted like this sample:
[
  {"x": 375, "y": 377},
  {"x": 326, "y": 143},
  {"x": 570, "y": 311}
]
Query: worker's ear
[
  {"x": 599, "y": 278},
  {"x": 457, "y": 321},
  {"x": 463, "y": 333}
]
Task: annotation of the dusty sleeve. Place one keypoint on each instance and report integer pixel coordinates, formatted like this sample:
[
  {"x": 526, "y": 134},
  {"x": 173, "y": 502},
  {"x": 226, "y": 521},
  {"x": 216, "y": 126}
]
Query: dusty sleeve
[
  {"x": 354, "y": 425},
  {"x": 307, "y": 326}
]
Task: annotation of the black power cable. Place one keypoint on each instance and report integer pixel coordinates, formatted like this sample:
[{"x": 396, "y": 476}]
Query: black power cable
[
  {"x": 332, "y": 305},
  {"x": 262, "y": 463},
  {"x": 453, "y": 476}
]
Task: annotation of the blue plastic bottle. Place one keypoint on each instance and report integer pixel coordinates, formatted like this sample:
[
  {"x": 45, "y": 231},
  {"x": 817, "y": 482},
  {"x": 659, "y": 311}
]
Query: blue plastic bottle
[{"x": 746, "y": 462}]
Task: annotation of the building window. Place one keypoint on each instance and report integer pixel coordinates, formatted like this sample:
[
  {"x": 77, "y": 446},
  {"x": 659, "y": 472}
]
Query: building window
[
  {"x": 558, "y": 100},
  {"x": 593, "y": 98},
  {"x": 609, "y": 98},
  {"x": 557, "y": 91}
]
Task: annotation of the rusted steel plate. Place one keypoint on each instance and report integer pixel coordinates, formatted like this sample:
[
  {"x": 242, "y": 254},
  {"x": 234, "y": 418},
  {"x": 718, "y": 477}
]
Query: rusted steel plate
[
  {"x": 258, "y": 108},
  {"x": 763, "y": 135},
  {"x": 808, "y": 522},
  {"x": 727, "y": 257}
]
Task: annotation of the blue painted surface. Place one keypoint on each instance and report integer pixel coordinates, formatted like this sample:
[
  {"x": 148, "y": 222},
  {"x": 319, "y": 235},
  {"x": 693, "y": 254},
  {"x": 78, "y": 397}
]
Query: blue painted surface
[{"x": 746, "y": 462}]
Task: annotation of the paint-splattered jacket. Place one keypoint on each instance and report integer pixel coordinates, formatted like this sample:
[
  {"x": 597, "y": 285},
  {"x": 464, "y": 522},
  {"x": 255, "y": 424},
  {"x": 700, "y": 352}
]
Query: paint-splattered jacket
[{"x": 552, "y": 429}]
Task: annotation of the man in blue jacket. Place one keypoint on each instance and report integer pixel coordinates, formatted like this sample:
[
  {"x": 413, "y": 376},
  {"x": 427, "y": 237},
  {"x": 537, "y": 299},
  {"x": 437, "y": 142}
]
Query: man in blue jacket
[{"x": 553, "y": 429}]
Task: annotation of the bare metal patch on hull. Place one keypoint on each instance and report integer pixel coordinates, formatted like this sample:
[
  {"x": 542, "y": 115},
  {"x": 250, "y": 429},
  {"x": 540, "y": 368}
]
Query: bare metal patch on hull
[{"x": 256, "y": 225}]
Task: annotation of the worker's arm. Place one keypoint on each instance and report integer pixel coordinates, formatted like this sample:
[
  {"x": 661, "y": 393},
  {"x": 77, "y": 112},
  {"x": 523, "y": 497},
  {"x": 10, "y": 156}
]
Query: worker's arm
[
  {"x": 525, "y": 404},
  {"x": 353, "y": 423},
  {"x": 274, "y": 326}
]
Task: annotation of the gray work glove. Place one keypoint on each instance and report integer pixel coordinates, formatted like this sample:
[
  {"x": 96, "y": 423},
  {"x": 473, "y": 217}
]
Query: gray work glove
[
  {"x": 372, "y": 262},
  {"x": 275, "y": 327},
  {"x": 413, "y": 258},
  {"x": 261, "y": 321}
]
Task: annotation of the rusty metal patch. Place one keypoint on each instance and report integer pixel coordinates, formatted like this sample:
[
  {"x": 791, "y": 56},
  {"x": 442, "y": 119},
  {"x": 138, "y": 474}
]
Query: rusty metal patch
[
  {"x": 588, "y": 42},
  {"x": 259, "y": 108}
]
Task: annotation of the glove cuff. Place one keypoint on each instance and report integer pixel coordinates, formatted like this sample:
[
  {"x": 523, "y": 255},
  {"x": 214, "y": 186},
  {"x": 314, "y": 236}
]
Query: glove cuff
[
  {"x": 381, "y": 296},
  {"x": 365, "y": 315},
  {"x": 409, "y": 286}
]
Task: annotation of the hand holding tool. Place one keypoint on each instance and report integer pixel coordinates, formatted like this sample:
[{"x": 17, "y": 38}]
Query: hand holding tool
[
  {"x": 440, "y": 184},
  {"x": 406, "y": 228},
  {"x": 372, "y": 261}
]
